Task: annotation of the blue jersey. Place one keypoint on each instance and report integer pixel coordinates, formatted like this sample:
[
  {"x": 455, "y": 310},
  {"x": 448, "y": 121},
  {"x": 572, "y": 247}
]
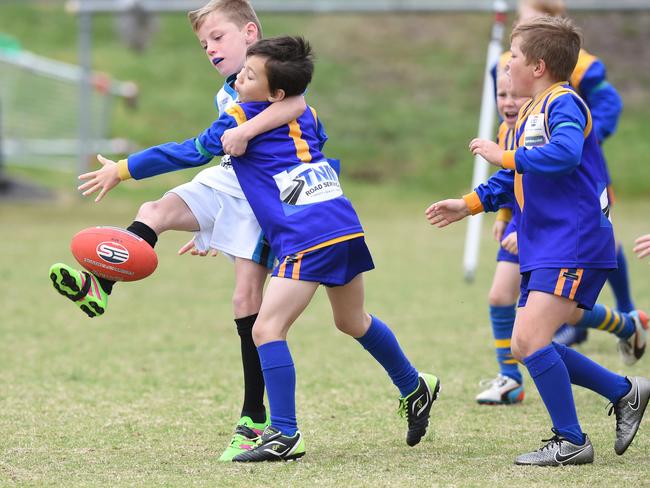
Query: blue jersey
[
  {"x": 292, "y": 188},
  {"x": 559, "y": 186}
]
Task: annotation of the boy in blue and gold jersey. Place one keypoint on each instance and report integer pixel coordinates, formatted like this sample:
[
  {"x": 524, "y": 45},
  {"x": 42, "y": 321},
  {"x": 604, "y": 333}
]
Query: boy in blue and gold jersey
[
  {"x": 313, "y": 229},
  {"x": 507, "y": 387},
  {"x": 589, "y": 80},
  {"x": 565, "y": 238}
]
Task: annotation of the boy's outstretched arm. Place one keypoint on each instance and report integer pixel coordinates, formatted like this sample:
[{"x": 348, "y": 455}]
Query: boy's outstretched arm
[
  {"x": 235, "y": 140},
  {"x": 103, "y": 180},
  {"x": 445, "y": 212}
]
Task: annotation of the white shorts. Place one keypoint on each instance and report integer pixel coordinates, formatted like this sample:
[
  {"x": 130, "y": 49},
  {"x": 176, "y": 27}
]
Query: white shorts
[{"x": 226, "y": 223}]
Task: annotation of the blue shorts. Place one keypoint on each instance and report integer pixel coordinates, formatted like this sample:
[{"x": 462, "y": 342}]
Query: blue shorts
[
  {"x": 578, "y": 284},
  {"x": 502, "y": 254},
  {"x": 333, "y": 264}
]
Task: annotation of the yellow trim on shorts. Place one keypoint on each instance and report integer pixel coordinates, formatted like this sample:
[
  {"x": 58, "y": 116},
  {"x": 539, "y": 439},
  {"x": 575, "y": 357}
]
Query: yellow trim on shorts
[
  {"x": 560, "y": 282},
  {"x": 576, "y": 283}
]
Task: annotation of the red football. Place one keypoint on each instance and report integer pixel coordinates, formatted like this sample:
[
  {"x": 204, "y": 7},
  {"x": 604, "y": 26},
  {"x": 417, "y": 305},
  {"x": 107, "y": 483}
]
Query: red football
[{"x": 113, "y": 253}]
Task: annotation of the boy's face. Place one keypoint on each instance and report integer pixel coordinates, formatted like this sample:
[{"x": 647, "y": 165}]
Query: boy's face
[
  {"x": 508, "y": 104},
  {"x": 224, "y": 43},
  {"x": 252, "y": 85},
  {"x": 521, "y": 73}
]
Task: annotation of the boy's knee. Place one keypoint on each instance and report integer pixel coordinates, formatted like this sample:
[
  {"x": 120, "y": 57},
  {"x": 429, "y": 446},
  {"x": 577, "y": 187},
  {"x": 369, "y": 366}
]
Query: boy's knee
[
  {"x": 498, "y": 297},
  {"x": 148, "y": 212},
  {"x": 520, "y": 348},
  {"x": 353, "y": 326},
  {"x": 246, "y": 302}
]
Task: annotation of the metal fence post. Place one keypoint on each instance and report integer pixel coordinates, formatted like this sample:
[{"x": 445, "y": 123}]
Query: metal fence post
[{"x": 85, "y": 91}]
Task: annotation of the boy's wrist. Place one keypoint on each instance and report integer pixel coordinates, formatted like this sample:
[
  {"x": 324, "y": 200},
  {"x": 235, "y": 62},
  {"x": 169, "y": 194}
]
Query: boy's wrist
[
  {"x": 473, "y": 202},
  {"x": 504, "y": 214},
  {"x": 123, "y": 169},
  {"x": 508, "y": 160}
]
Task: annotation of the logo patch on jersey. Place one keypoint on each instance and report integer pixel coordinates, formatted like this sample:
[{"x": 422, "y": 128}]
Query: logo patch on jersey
[
  {"x": 308, "y": 183},
  {"x": 534, "y": 131},
  {"x": 112, "y": 252}
]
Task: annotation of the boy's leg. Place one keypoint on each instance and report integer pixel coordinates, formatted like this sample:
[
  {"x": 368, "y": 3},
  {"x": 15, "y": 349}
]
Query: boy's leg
[
  {"x": 619, "y": 281},
  {"x": 507, "y": 387},
  {"x": 418, "y": 391},
  {"x": 631, "y": 328},
  {"x": 284, "y": 301},
  {"x": 90, "y": 292},
  {"x": 247, "y": 299},
  {"x": 535, "y": 325}
]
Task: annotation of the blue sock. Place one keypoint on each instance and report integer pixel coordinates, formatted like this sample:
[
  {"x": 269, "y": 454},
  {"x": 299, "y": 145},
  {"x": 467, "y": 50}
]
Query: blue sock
[
  {"x": 552, "y": 380},
  {"x": 280, "y": 378},
  {"x": 503, "y": 320},
  {"x": 382, "y": 344},
  {"x": 602, "y": 317},
  {"x": 589, "y": 374},
  {"x": 619, "y": 280}
]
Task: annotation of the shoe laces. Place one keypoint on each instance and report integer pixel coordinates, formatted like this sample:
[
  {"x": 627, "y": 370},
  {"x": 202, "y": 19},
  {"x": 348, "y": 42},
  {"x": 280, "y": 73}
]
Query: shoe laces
[
  {"x": 617, "y": 413},
  {"x": 500, "y": 380},
  {"x": 556, "y": 439},
  {"x": 402, "y": 408},
  {"x": 243, "y": 433}
]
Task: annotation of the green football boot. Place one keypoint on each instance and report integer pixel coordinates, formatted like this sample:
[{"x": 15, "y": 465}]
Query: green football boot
[
  {"x": 81, "y": 287},
  {"x": 416, "y": 406},
  {"x": 244, "y": 439}
]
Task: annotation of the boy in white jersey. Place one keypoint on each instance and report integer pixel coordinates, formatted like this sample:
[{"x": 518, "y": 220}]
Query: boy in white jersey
[{"x": 212, "y": 205}]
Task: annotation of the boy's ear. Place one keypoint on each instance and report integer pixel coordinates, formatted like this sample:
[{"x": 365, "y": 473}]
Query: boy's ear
[
  {"x": 277, "y": 96},
  {"x": 539, "y": 68},
  {"x": 251, "y": 33}
]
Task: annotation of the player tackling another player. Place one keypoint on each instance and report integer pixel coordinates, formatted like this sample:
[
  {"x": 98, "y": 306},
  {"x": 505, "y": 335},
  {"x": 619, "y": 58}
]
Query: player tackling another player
[{"x": 290, "y": 186}]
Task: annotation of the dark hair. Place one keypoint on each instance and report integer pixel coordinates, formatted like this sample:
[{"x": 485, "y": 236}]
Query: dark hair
[
  {"x": 289, "y": 63},
  {"x": 555, "y": 40}
]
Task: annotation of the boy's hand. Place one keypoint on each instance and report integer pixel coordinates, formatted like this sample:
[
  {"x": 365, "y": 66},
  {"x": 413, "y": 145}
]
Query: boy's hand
[
  {"x": 235, "y": 141},
  {"x": 510, "y": 243},
  {"x": 102, "y": 180},
  {"x": 189, "y": 246},
  {"x": 498, "y": 229},
  {"x": 642, "y": 246},
  {"x": 445, "y": 212},
  {"x": 490, "y": 151}
]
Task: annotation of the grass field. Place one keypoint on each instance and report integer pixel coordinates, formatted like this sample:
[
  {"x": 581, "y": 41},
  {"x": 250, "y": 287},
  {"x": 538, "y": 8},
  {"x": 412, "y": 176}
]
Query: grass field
[{"x": 147, "y": 395}]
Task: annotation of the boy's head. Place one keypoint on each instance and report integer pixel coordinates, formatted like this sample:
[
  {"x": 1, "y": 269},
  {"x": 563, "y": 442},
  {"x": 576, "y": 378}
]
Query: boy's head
[
  {"x": 529, "y": 9},
  {"x": 544, "y": 50},
  {"x": 508, "y": 104},
  {"x": 225, "y": 29},
  {"x": 275, "y": 68}
]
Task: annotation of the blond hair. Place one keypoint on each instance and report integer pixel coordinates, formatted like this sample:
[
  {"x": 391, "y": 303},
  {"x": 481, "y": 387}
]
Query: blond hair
[
  {"x": 554, "y": 8},
  {"x": 556, "y": 40},
  {"x": 239, "y": 12}
]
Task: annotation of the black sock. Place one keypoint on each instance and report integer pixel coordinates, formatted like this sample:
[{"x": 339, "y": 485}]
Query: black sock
[
  {"x": 141, "y": 230},
  {"x": 253, "y": 377}
]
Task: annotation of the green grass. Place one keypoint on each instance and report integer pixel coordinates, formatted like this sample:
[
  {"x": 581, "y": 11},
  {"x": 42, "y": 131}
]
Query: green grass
[
  {"x": 398, "y": 94},
  {"x": 147, "y": 395}
]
